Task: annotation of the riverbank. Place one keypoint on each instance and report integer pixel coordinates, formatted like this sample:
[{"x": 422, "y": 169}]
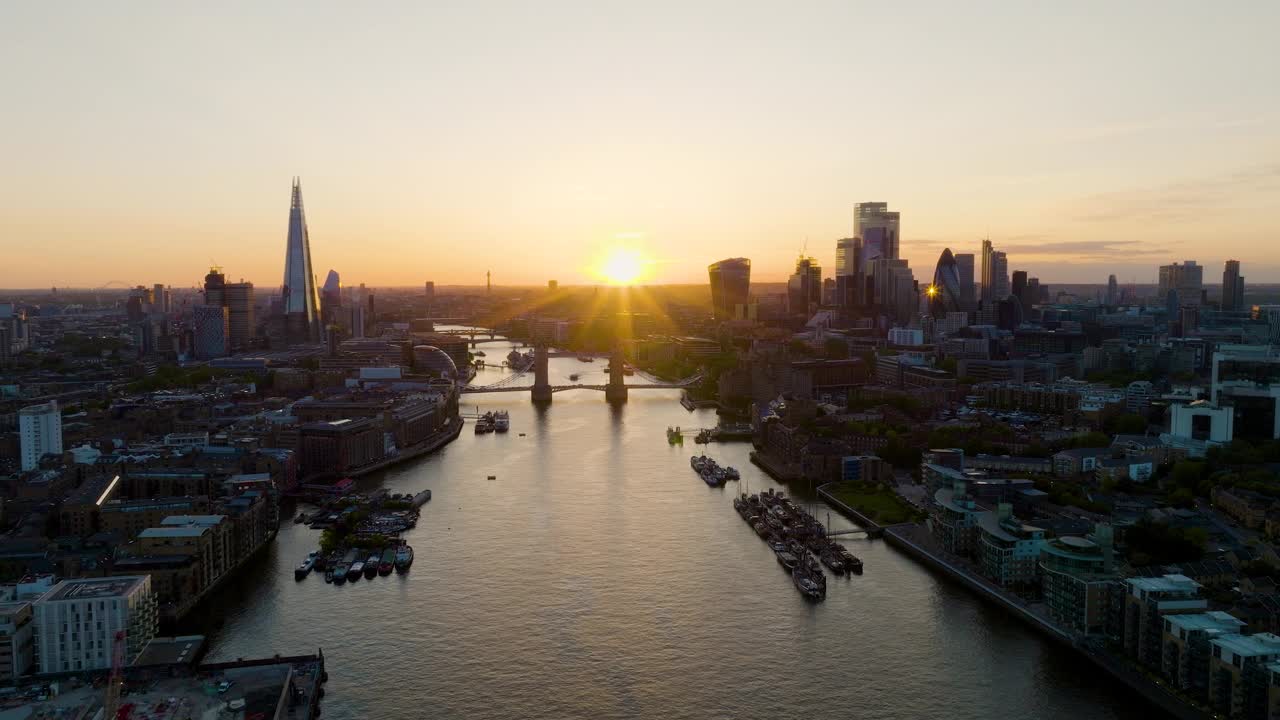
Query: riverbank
[
  {"x": 906, "y": 538},
  {"x": 310, "y": 487}
]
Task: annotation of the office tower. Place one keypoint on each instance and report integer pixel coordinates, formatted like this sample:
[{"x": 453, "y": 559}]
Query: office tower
[
  {"x": 139, "y": 303},
  {"x": 77, "y": 622},
  {"x": 846, "y": 256},
  {"x": 429, "y": 290},
  {"x": 211, "y": 331},
  {"x": 40, "y": 433},
  {"x": 160, "y": 298},
  {"x": 1018, "y": 288},
  {"x": 730, "y": 286},
  {"x": 946, "y": 294},
  {"x": 1232, "y": 287},
  {"x": 964, "y": 268},
  {"x": 1185, "y": 279},
  {"x": 215, "y": 284},
  {"x": 353, "y": 318},
  {"x": 999, "y": 276},
  {"x": 986, "y": 271},
  {"x": 239, "y": 302},
  {"x": 552, "y": 286},
  {"x": 301, "y": 301},
  {"x": 878, "y": 228},
  {"x": 372, "y": 313},
  {"x": 1113, "y": 291},
  {"x": 893, "y": 289},
  {"x": 6, "y": 344},
  {"x": 804, "y": 288},
  {"x": 331, "y": 299}
]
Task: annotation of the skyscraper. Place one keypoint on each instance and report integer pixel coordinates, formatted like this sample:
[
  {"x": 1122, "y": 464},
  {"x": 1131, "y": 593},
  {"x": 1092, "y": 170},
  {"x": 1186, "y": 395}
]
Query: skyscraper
[
  {"x": 730, "y": 286},
  {"x": 1018, "y": 288},
  {"x": 1113, "y": 291},
  {"x": 846, "y": 256},
  {"x": 804, "y": 288},
  {"x": 331, "y": 299},
  {"x": 40, "y": 433},
  {"x": 1185, "y": 279},
  {"x": 301, "y": 302},
  {"x": 1232, "y": 287},
  {"x": 964, "y": 268},
  {"x": 946, "y": 292},
  {"x": 999, "y": 276},
  {"x": 239, "y": 301},
  {"x": 986, "y": 270},
  {"x": 877, "y": 227}
]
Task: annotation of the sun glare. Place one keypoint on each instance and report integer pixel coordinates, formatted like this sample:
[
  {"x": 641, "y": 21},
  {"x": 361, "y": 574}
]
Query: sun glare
[{"x": 622, "y": 266}]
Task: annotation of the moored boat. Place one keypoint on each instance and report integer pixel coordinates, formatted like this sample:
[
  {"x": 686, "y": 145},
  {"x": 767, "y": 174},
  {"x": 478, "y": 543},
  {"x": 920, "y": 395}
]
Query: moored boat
[
  {"x": 387, "y": 562},
  {"x": 304, "y": 569},
  {"x": 371, "y": 565},
  {"x": 501, "y": 421},
  {"x": 404, "y": 558},
  {"x": 356, "y": 570},
  {"x": 340, "y": 572}
]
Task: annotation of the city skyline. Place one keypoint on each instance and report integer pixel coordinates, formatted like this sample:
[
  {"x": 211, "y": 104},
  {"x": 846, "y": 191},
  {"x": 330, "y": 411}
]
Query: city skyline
[{"x": 1106, "y": 160}]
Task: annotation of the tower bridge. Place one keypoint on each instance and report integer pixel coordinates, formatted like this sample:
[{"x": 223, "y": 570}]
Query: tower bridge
[{"x": 615, "y": 390}]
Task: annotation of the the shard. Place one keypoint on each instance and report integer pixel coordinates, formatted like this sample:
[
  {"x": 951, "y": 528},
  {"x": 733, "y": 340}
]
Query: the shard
[{"x": 301, "y": 302}]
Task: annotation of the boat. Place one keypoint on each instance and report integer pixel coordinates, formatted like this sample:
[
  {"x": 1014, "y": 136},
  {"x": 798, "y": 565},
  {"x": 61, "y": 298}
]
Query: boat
[
  {"x": 301, "y": 518},
  {"x": 371, "y": 565},
  {"x": 404, "y": 558},
  {"x": 731, "y": 473},
  {"x": 339, "y": 573},
  {"x": 786, "y": 559},
  {"x": 698, "y": 463},
  {"x": 328, "y": 575},
  {"x": 573, "y": 377},
  {"x": 710, "y": 478},
  {"x": 387, "y": 562},
  {"x": 478, "y": 353},
  {"x": 355, "y": 571},
  {"x": 586, "y": 358},
  {"x": 501, "y": 421},
  {"x": 808, "y": 584},
  {"x": 628, "y": 371},
  {"x": 484, "y": 425},
  {"x": 304, "y": 569}
]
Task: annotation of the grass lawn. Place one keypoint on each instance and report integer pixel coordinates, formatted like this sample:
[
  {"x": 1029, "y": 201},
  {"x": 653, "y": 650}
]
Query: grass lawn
[{"x": 876, "y": 502}]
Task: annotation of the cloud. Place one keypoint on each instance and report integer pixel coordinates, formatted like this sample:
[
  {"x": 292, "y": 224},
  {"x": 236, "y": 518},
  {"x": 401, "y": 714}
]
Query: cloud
[
  {"x": 1084, "y": 249},
  {"x": 1181, "y": 200}
]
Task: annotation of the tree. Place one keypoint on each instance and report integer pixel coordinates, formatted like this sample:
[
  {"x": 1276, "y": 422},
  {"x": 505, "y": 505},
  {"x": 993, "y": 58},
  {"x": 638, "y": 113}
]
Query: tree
[
  {"x": 1127, "y": 424},
  {"x": 835, "y": 349}
]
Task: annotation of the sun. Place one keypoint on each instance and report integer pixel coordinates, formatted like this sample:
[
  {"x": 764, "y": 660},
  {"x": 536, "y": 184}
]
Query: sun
[{"x": 622, "y": 266}]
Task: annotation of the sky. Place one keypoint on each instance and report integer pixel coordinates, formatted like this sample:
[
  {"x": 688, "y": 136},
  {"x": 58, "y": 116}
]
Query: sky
[{"x": 142, "y": 142}]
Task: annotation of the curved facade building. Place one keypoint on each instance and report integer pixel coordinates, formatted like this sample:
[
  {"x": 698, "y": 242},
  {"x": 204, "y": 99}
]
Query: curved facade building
[
  {"x": 429, "y": 359},
  {"x": 948, "y": 292},
  {"x": 730, "y": 286}
]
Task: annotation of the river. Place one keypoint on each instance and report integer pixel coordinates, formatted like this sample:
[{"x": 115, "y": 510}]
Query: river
[{"x": 597, "y": 577}]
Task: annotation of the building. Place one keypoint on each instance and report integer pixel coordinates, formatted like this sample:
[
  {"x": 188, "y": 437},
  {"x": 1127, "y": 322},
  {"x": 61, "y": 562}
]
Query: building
[
  {"x": 1113, "y": 292},
  {"x": 17, "y": 640},
  {"x": 1239, "y": 676},
  {"x": 1078, "y": 583},
  {"x": 1148, "y": 600},
  {"x": 211, "y": 328},
  {"x": 1008, "y": 550},
  {"x": 1246, "y": 378},
  {"x": 1137, "y": 397},
  {"x": 77, "y": 622},
  {"x": 730, "y": 288},
  {"x": 1184, "y": 282},
  {"x": 1232, "y": 287},
  {"x": 301, "y": 303},
  {"x": 1078, "y": 461},
  {"x": 956, "y": 517},
  {"x": 804, "y": 288},
  {"x": 946, "y": 294},
  {"x": 968, "y": 292},
  {"x": 39, "y": 432},
  {"x": 239, "y": 302},
  {"x": 878, "y": 229},
  {"x": 1185, "y": 654},
  {"x": 906, "y": 337},
  {"x": 1199, "y": 425},
  {"x": 335, "y": 447},
  {"x": 999, "y": 277}
]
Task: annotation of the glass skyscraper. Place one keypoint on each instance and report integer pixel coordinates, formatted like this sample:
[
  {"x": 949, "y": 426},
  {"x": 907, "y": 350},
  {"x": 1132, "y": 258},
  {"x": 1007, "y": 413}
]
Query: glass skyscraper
[
  {"x": 300, "y": 299},
  {"x": 730, "y": 286}
]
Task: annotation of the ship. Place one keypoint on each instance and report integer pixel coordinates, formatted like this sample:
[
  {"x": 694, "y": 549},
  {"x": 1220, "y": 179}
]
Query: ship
[
  {"x": 387, "y": 562},
  {"x": 484, "y": 424},
  {"x": 305, "y": 568},
  {"x": 501, "y": 421},
  {"x": 371, "y": 565},
  {"x": 355, "y": 571},
  {"x": 404, "y": 558}
]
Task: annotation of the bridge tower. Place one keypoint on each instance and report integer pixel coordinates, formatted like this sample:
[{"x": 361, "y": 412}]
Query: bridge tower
[
  {"x": 541, "y": 381},
  {"x": 616, "y": 390}
]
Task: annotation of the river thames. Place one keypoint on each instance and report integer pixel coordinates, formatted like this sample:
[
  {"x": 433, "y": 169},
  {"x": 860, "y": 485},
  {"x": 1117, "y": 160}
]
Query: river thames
[{"x": 596, "y": 576}]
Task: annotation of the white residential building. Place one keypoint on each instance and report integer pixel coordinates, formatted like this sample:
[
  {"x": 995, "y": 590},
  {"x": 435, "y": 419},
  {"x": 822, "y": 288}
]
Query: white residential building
[
  {"x": 40, "y": 429},
  {"x": 77, "y": 622}
]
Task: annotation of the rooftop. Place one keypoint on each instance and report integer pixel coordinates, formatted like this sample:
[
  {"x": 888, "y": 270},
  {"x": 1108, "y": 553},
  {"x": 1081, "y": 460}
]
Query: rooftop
[
  {"x": 1213, "y": 620},
  {"x": 1257, "y": 645},
  {"x": 94, "y": 588},
  {"x": 174, "y": 532}
]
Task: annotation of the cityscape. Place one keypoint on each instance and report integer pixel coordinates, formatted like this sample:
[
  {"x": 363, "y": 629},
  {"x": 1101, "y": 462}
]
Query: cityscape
[{"x": 889, "y": 472}]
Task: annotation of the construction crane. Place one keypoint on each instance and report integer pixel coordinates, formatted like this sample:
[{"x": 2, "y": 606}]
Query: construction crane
[{"x": 116, "y": 680}]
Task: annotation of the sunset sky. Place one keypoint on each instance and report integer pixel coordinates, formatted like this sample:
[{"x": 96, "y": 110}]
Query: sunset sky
[{"x": 141, "y": 141}]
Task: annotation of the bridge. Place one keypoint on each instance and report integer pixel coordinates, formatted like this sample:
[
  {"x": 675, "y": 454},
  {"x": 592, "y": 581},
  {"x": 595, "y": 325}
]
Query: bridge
[{"x": 616, "y": 390}]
